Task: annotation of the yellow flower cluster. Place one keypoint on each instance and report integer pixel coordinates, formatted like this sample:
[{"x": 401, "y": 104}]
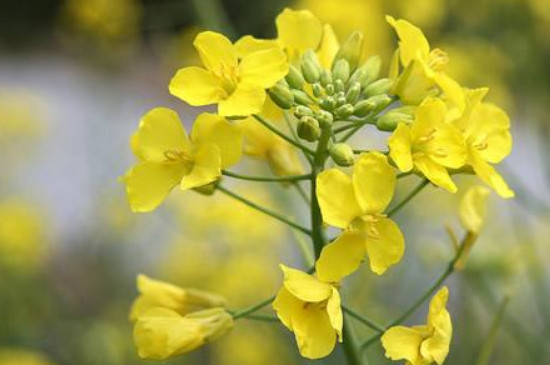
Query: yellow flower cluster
[{"x": 295, "y": 101}]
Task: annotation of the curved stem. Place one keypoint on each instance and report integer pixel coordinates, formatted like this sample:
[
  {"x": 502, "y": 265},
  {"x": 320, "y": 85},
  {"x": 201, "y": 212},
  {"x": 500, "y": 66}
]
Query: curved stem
[
  {"x": 266, "y": 178},
  {"x": 264, "y": 210},
  {"x": 256, "y": 307},
  {"x": 367, "y": 322},
  {"x": 408, "y": 198},
  {"x": 269, "y": 126}
]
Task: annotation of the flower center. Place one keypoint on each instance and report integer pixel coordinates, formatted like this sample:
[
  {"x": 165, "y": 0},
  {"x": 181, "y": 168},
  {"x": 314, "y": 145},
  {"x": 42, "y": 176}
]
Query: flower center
[
  {"x": 229, "y": 76},
  {"x": 437, "y": 59}
]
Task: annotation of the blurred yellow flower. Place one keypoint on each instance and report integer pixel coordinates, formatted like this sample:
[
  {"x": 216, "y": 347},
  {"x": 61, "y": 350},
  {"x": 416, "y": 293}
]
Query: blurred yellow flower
[
  {"x": 430, "y": 144},
  {"x": 356, "y": 204},
  {"x": 168, "y": 157},
  {"x": 425, "y": 344},
  {"x": 236, "y": 84},
  {"x": 311, "y": 309},
  {"x": 473, "y": 207},
  {"x": 16, "y": 356}
]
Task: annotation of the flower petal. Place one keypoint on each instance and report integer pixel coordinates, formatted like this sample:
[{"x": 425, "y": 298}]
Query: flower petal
[
  {"x": 214, "y": 129},
  {"x": 448, "y": 147},
  {"x": 402, "y": 343},
  {"x": 400, "y": 147},
  {"x": 148, "y": 184},
  {"x": 334, "y": 310},
  {"x": 304, "y": 286},
  {"x": 436, "y": 347},
  {"x": 248, "y": 44},
  {"x": 430, "y": 114},
  {"x": 341, "y": 257},
  {"x": 314, "y": 332},
  {"x": 299, "y": 29},
  {"x": 197, "y": 86},
  {"x": 286, "y": 305},
  {"x": 490, "y": 176},
  {"x": 473, "y": 207},
  {"x": 206, "y": 167},
  {"x": 491, "y": 131},
  {"x": 373, "y": 182},
  {"x": 216, "y": 51},
  {"x": 337, "y": 198},
  {"x": 412, "y": 42},
  {"x": 436, "y": 173},
  {"x": 328, "y": 48},
  {"x": 263, "y": 68},
  {"x": 245, "y": 100},
  {"x": 385, "y": 244}
]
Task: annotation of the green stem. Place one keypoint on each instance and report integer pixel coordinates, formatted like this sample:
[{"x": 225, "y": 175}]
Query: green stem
[
  {"x": 269, "y": 126},
  {"x": 352, "y": 352},
  {"x": 302, "y": 192},
  {"x": 267, "y": 178},
  {"x": 256, "y": 307},
  {"x": 408, "y": 198},
  {"x": 264, "y": 210},
  {"x": 318, "y": 233},
  {"x": 489, "y": 343},
  {"x": 261, "y": 317},
  {"x": 367, "y": 322}
]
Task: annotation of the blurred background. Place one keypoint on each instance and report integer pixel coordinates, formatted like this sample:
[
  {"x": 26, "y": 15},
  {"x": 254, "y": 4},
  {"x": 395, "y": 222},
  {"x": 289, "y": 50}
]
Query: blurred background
[{"x": 75, "y": 78}]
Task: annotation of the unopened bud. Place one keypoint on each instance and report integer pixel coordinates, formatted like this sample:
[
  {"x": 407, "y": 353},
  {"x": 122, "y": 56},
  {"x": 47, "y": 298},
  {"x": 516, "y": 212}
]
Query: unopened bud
[
  {"x": 342, "y": 154},
  {"x": 301, "y": 97},
  {"x": 378, "y": 87},
  {"x": 317, "y": 90},
  {"x": 363, "y": 108},
  {"x": 302, "y": 111},
  {"x": 390, "y": 120},
  {"x": 311, "y": 69},
  {"x": 345, "y": 111},
  {"x": 328, "y": 103},
  {"x": 326, "y": 78},
  {"x": 281, "y": 95},
  {"x": 329, "y": 89},
  {"x": 308, "y": 129},
  {"x": 380, "y": 101},
  {"x": 339, "y": 86},
  {"x": 325, "y": 118},
  {"x": 371, "y": 70},
  {"x": 353, "y": 92},
  {"x": 341, "y": 100},
  {"x": 351, "y": 50},
  {"x": 340, "y": 71},
  {"x": 294, "y": 78}
]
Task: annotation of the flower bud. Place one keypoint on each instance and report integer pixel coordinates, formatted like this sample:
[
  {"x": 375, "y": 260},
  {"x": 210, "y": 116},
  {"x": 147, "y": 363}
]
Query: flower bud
[
  {"x": 370, "y": 70},
  {"x": 326, "y": 78},
  {"x": 294, "y": 78},
  {"x": 389, "y": 121},
  {"x": 351, "y": 50},
  {"x": 311, "y": 69},
  {"x": 341, "y": 70},
  {"x": 317, "y": 90},
  {"x": 325, "y": 118},
  {"x": 208, "y": 189},
  {"x": 301, "y": 97},
  {"x": 308, "y": 129},
  {"x": 345, "y": 111},
  {"x": 363, "y": 108},
  {"x": 281, "y": 95},
  {"x": 342, "y": 154},
  {"x": 353, "y": 92},
  {"x": 341, "y": 99},
  {"x": 330, "y": 89},
  {"x": 302, "y": 111},
  {"x": 328, "y": 103},
  {"x": 339, "y": 86},
  {"x": 378, "y": 87}
]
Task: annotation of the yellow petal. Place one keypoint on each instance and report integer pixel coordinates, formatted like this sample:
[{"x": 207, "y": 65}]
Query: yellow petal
[
  {"x": 436, "y": 347},
  {"x": 299, "y": 29},
  {"x": 197, "y": 86},
  {"x": 385, "y": 244},
  {"x": 263, "y": 68},
  {"x": 206, "y": 167},
  {"x": 429, "y": 115},
  {"x": 448, "y": 147},
  {"x": 245, "y": 100},
  {"x": 490, "y": 176},
  {"x": 160, "y": 130},
  {"x": 305, "y": 287},
  {"x": 373, "y": 182},
  {"x": 490, "y": 132},
  {"x": 215, "y": 51},
  {"x": 412, "y": 42},
  {"x": 328, "y": 48},
  {"x": 286, "y": 304},
  {"x": 415, "y": 84},
  {"x": 314, "y": 332},
  {"x": 334, "y": 311},
  {"x": 148, "y": 184},
  {"x": 248, "y": 44},
  {"x": 337, "y": 198},
  {"x": 403, "y": 343},
  {"x": 400, "y": 147},
  {"x": 473, "y": 207},
  {"x": 436, "y": 173},
  {"x": 155, "y": 293},
  {"x": 341, "y": 257},
  {"x": 214, "y": 129},
  {"x": 454, "y": 94}
]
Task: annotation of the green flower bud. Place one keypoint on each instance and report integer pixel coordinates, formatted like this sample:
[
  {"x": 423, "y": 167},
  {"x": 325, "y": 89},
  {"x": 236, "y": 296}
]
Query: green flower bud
[
  {"x": 308, "y": 129},
  {"x": 340, "y": 99},
  {"x": 353, "y": 92},
  {"x": 378, "y": 87},
  {"x": 342, "y": 154},
  {"x": 301, "y": 97},
  {"x": 341, "y": 70},
  {"x": 317, "y": 90},
  {"x": 389, "y": 121},
  {"x": 208, "y": 189},
  {"x": 339, "y": 86},
  {"x": 311, "y": 69},
  {"x": 328, "y": 103},
  {"x": 329, "y": 89},
  {"x": 281, "y": 95},
  {"x": 345, "y": 111},
  {"x": 302, "y": 111},
  {"x": 380, "y": 101},
  {"x": 363, "y": 108},
  {"x": 326, "y": 78},
  {"x": 371, "y": 70},
  {"x": 294, "y": 78},
  {"x": 351, "y": 50},
  {"x": 325, "y": 118}
]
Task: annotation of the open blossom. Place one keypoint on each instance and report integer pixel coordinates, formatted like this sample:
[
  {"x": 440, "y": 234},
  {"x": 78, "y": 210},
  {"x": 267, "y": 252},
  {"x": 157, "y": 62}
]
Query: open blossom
[
  {"x": 425, "y": 344},
  {"x": 310, "y": 307},
  {"x": 234, "y": 80},
  {"x": 430, "y": 144},
  {"x": 167, "y": 157},
  {"x": 356, "y": 204}
]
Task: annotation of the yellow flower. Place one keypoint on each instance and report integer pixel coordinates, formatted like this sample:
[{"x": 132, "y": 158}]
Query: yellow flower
[
  {"x": 310, "y": 308},
  {"x": 422, "y": 65},
  {"x": 486, "y": 129},
  {"x": 154, "y": 293},
  {"x": 235, "y": 82},
  {"x": 429, "y": 144},
  {"x": 16, "y": 356},
  {"x": 356, "y": 204},
  {"x": 282, "y": 157},
  {"x": 473, "y": 207},
  {"x": 168, "y": 157},
  {"x": 298, "y": 31},
  {"x": 161, "y": 333},
  {"x": 426, "y": 344}
]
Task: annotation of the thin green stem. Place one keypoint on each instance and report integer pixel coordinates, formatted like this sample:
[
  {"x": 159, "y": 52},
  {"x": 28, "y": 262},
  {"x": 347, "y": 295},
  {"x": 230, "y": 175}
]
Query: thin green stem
[
  {"x": 367, "y": 322},
  {"x": 267, "y": 178},
  {"x": 302, "y": 192},
  {"x": 489, "y": 343},
  {"x": 353, "y": 353},
  {"x": 264, "y": 210},
  {"x": 261, "y": 317},
  {"x": 409, "y": 197},
  {"x": 318, "y": 233},
  {"x": 252, "y": 309},
  {"x": 269, "y": 126}
]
